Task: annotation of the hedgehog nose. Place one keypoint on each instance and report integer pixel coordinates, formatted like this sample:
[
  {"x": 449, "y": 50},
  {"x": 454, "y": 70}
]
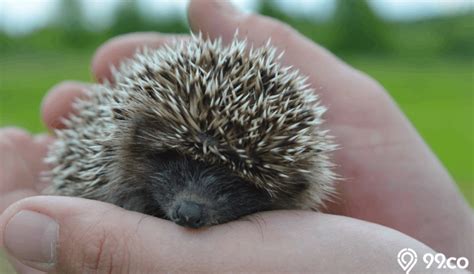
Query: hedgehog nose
[{"x": 189, "y": 214}]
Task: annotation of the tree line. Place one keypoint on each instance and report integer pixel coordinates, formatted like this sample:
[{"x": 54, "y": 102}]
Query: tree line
[{"x": 354, "y": 28}]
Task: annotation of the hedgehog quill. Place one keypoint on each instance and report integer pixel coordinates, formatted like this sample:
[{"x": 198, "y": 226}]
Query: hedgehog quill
[{"x": 197, "y": 133}]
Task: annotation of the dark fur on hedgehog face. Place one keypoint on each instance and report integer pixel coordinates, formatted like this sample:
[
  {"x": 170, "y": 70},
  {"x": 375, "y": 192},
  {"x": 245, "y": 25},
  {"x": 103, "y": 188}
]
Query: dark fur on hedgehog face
[
  {"x": 189, "y": 192},
  {"x": 194, "y": 194}
]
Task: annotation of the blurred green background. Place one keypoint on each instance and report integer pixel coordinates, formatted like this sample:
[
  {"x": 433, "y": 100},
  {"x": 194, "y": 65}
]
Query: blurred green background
[{"x": 425, "y": 61}]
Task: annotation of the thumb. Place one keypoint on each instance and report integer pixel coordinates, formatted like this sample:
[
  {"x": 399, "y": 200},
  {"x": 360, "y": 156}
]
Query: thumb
[{"x": 74, "y": 235}]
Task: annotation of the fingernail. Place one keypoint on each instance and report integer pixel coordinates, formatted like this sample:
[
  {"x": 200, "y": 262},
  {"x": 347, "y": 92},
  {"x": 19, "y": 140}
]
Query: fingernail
[{"x": 31, "y": 236}]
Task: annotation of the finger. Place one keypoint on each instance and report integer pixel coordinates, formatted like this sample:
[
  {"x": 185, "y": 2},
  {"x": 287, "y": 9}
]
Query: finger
[
  {"x": 41, "y": 143},
  {"x": 10, "y": 197},
  {"x": 121, "y": 47},
  {"x": 57, "y": 104},
  {"x": 19, "y": 137},
  {"x": 18, "y": 146},
  {"x": 32, "y": 149},
  {"x": 15, "y": 172},
  {"x": 72, "y": 235},
  {"x": 81, "y": 237},
  {"x": 22, "y": 268},
  {"x": 258, "y": 29}
]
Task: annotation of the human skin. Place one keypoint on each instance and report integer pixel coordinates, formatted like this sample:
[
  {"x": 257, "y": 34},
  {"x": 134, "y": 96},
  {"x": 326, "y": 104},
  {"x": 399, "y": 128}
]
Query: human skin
[{"x": 391, "y": 178}]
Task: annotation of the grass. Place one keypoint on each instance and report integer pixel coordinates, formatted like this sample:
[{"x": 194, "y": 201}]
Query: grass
[
  {"x": 25, "y": 79},
  {"x": 436, "y": 95},
  {"x": 4, "y": 265}
]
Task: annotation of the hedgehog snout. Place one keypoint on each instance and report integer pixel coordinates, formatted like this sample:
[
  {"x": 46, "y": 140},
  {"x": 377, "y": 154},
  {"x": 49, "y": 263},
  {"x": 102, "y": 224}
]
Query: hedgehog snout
[
  {"x": 191, "y": 209},
  {"x": 189, "y": 214}
]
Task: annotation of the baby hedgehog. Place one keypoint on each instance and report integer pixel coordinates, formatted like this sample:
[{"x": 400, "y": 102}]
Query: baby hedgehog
[{"x": 197, "y": 133}]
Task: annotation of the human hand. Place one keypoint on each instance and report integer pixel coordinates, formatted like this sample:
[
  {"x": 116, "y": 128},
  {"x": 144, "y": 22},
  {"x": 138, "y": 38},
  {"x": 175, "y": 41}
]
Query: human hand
[
  {"x": 72, "y": 235},
  {"x": 99, "y": 237},
  {"x": 391, "y": 176}
]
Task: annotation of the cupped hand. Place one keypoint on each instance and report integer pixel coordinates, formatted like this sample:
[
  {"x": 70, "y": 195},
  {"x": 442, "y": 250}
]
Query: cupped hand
[{"x": 390, "y": 178}]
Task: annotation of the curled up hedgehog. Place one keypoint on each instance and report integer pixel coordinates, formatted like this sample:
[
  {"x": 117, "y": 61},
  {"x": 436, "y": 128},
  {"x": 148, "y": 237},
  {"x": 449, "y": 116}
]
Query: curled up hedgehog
[{"x": 197, "y": 133}]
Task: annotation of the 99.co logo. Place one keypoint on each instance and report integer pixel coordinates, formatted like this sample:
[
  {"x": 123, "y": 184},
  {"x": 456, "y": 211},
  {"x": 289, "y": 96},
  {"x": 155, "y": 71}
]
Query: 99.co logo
[
  {"x": 407, "y": 258},
  {"x": 440, "y": 261}
]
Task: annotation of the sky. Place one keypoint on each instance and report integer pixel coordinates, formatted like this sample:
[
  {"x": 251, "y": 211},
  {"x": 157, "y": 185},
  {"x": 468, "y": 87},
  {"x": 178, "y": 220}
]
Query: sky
[{"x": 23, "y": 16}]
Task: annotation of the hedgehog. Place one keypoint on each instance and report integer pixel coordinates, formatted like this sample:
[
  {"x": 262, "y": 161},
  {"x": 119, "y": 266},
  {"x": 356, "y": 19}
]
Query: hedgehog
[{"x": 198, "y": 133}]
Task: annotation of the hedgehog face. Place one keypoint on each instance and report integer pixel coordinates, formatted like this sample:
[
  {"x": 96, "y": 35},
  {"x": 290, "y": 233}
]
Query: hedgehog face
[
  {"x": 194, "y": 194},
  {"x": 169, "y": 184}
]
